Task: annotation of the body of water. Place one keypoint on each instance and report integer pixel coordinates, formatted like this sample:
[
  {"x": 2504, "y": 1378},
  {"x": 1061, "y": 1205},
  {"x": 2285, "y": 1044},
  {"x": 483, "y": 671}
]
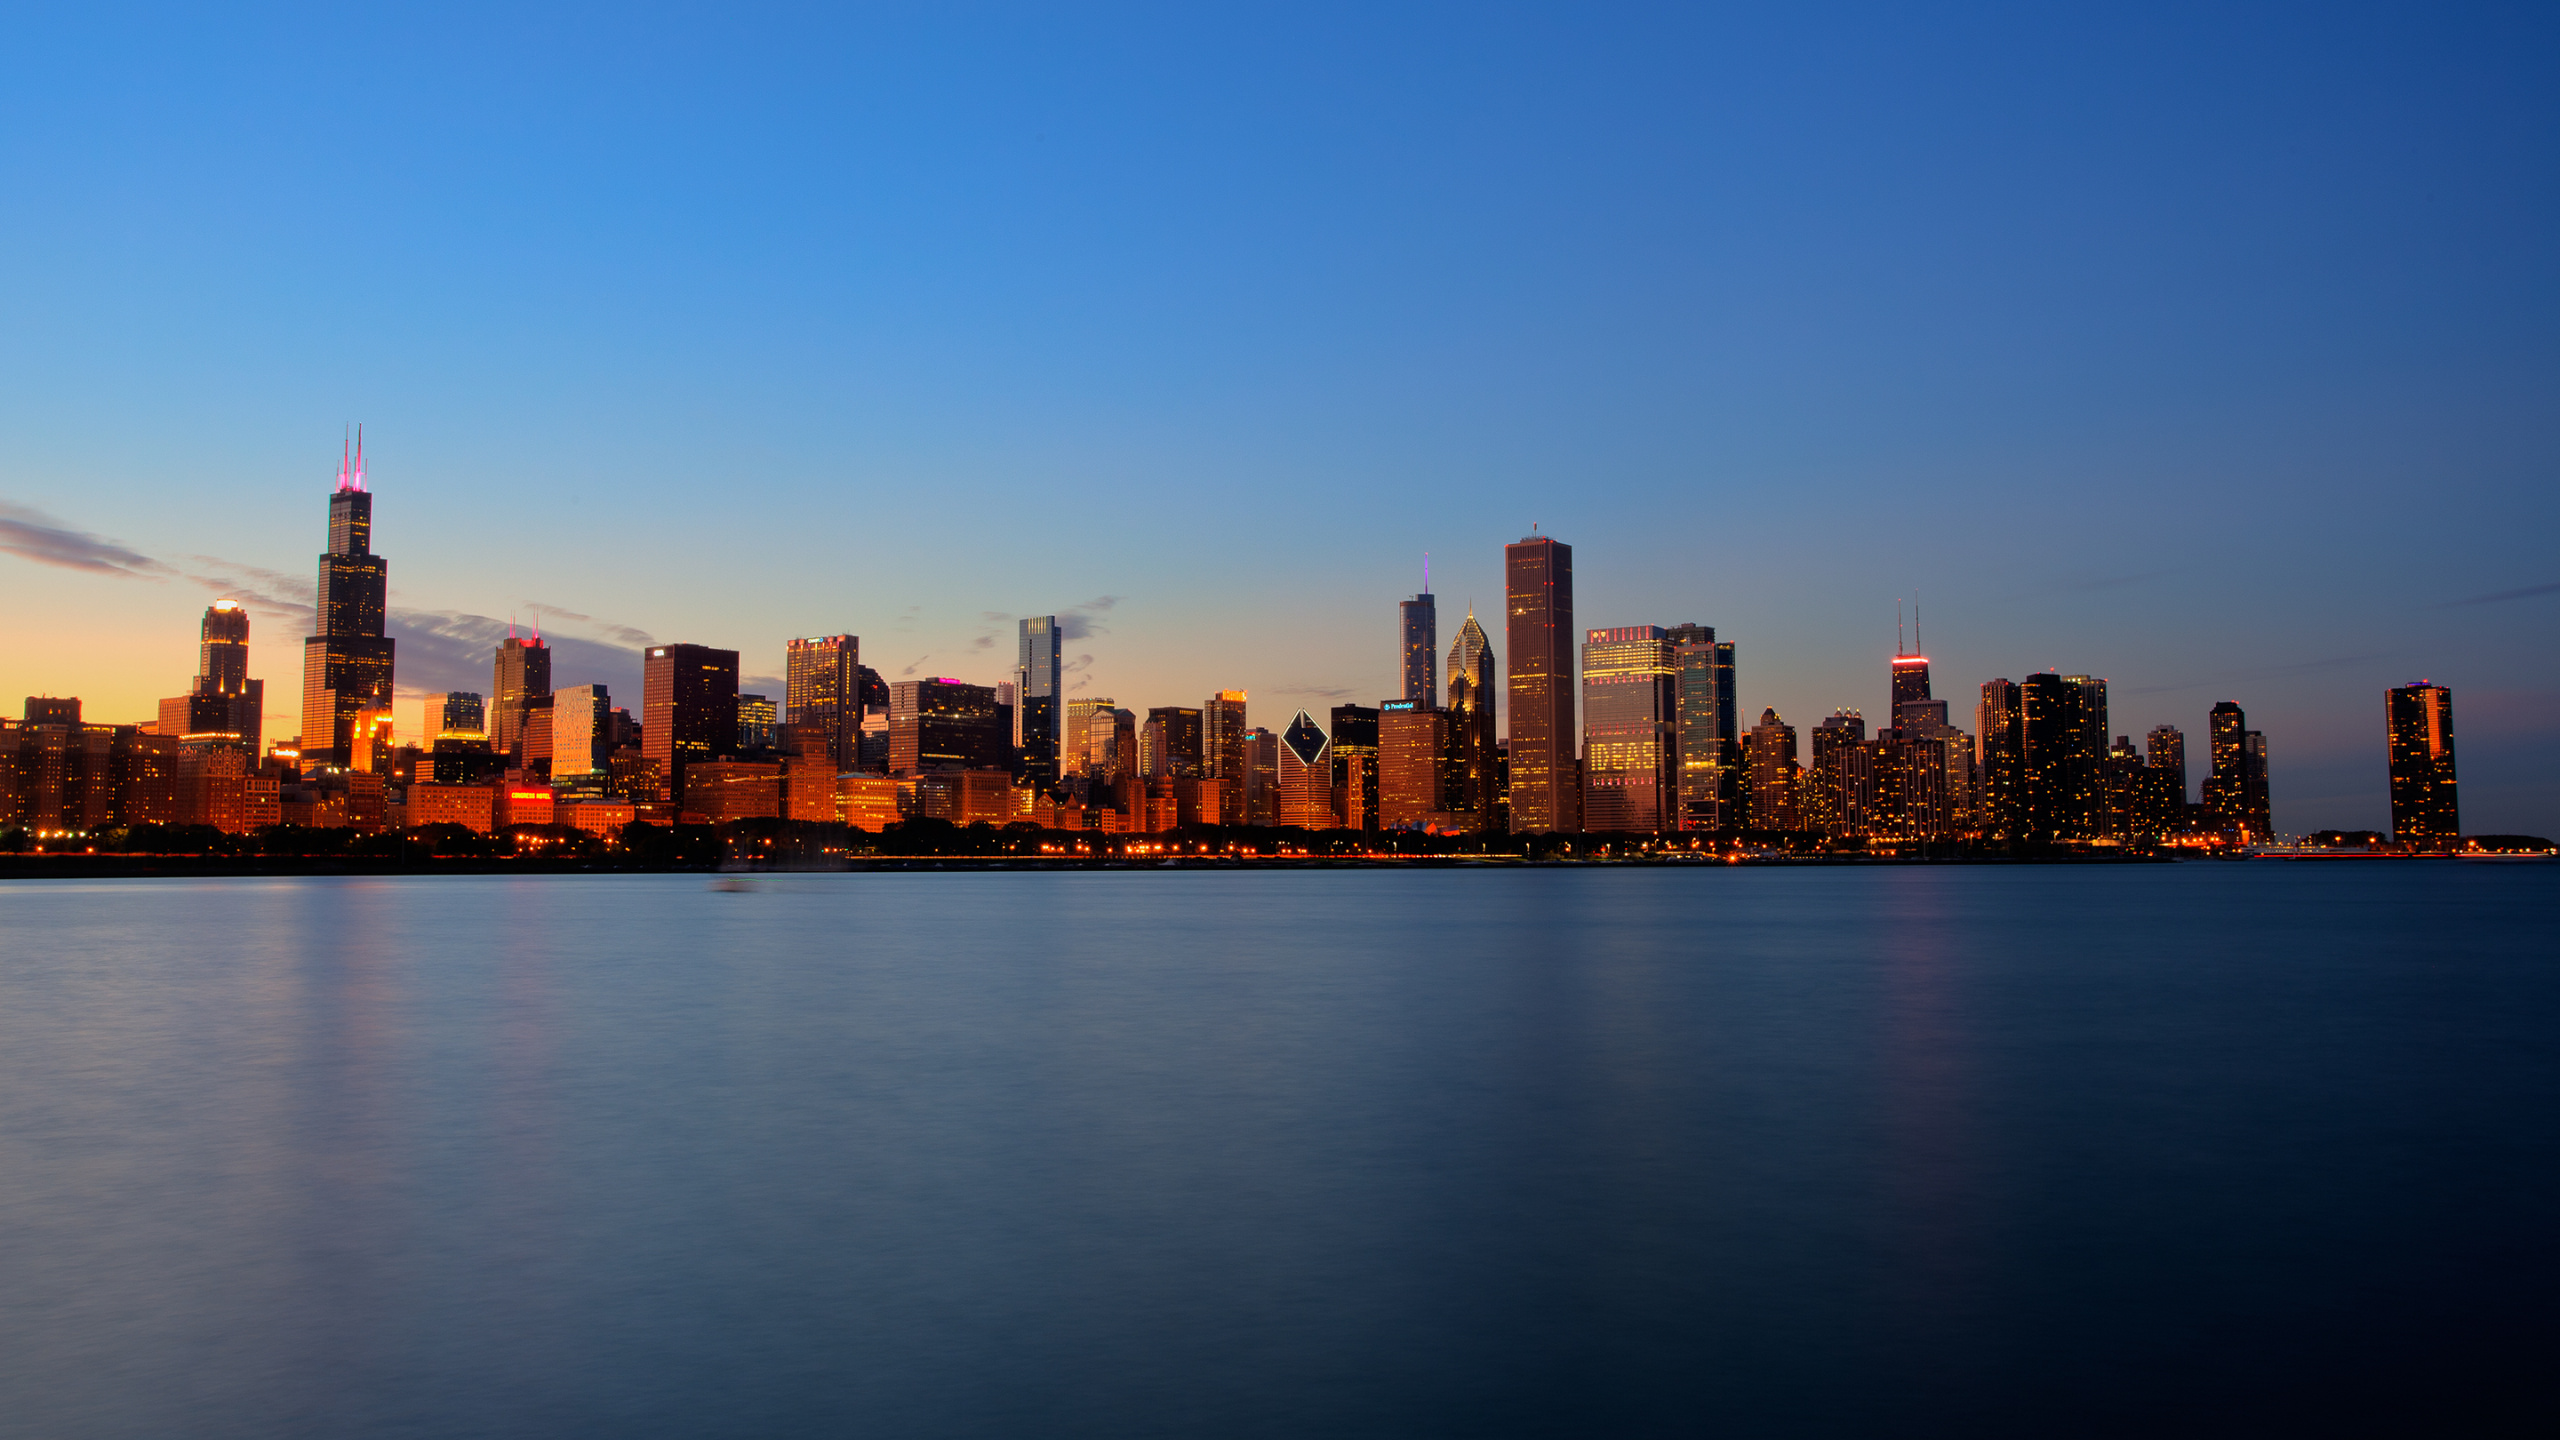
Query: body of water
[{"x": 2219, "y": 1149}]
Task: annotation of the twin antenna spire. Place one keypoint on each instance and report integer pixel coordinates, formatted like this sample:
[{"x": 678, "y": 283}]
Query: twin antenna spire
[
  {"x": 1916, "y": 648},
  {"x": 351, "y": 461}
]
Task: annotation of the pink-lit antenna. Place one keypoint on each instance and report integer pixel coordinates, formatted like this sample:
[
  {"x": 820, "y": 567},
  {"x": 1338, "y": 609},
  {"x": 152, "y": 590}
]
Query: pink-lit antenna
[
  {"x": 1916, "y": 647},
  {"x": 1426, "y": 572},
  {"x": 1898, "y": 651}
]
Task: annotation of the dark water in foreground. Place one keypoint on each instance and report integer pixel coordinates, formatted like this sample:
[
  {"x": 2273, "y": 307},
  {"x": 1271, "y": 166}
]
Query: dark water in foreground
[{"x": 2203, "y": 1149}]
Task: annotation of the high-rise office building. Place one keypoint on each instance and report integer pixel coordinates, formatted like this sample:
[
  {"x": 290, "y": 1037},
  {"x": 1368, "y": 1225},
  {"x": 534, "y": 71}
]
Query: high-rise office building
[
  {"x": 2166, "y": 750},
  {"x": 1546, "y": 790},
  {"x": 1474, "y": 742},
  {"x": 1075, "y": 744},
  {"x": 2064, "y": 727},
  {"x": 1413, "y": 758},
  {"x": 2425, "y": 812},
  {"x": 2235, "y": 790},
  {"x": 521, "y": 681},
  {"x": 946, "y": 724},
  {"x": 224, "y": 706},
  {"x": 1631, "y": 729},
  {"x": 1040, "y": 693},
  {"x": 461, "y": 715},
  {"x": 2000, "y": 758},
  {"x": 1262, "y": 777},
  {"x": 1179, "y": 754},
  {"x": 822, "y": 688},
  {"x": 1839, "y": 796},
  {"x": 688, "y": 711},
  {"x": 757, "y": 717},
  {"x": 346, "y": 668},
  {"x": 581, "y": 731},
  {"x": 1770, "y": 749},
  {"x": 1306, "y": 775},
  {"x": 1418, "y": 634},
  {"x": 1697, "y": 659},
  {"x": 1910, "y": 680},
  {"x": 1224, "y": 749},
  {"x": 1355, "y": 766}
]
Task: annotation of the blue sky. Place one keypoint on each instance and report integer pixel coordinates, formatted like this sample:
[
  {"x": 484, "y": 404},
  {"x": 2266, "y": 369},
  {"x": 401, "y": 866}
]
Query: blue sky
[{"x": 2214, "y": 353}]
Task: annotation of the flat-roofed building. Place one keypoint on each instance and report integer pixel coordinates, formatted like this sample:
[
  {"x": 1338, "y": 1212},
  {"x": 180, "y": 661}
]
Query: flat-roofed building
[{"x": 1631, "y": 730}]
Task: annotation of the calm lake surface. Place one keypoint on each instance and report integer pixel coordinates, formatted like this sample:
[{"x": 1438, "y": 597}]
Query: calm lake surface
[{"x": 2194, "y": 1149}]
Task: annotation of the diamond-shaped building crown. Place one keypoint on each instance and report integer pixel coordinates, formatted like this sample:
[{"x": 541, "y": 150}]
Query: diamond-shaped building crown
[{"x": 1305, "y": 739}]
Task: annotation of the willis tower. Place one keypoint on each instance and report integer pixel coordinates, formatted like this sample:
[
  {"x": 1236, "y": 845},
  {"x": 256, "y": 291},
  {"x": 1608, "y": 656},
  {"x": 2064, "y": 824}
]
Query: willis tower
[{"x": 346, "y": 668}]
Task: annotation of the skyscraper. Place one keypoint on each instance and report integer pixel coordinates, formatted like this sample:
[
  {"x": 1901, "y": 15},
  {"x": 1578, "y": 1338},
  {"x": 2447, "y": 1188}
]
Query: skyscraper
[
  {"x": 1306, "y": 775},
  {"x": 581, "y": 731},
  {"x": 1418, "y": 629},
  {"x": 2235, "y": 790},
  {"x": 2064, "y": 727},
  {"x": 224, "y": 705},
  {"x": 1695, "y": 660},
  {"x": 1631, "y": 720},
  {"x": 2166, "y": 749},
  {"x": 346, "y": 668},
  {"x": 946, "y": 724},
  {"x": 1474, "y": 739},
  {"x": 1180, "y": 756},
  {"x": 1039, "y": 690},
  {"x": 1546, "y": 792},
  {"x": 688, "y": 710},
  {"x": 2001, "y": 758},
  {"x": 1225, "y": 751},
  {"x": 1355, "y": 766},
  {"x": 2425, "y": 813},
  {"x": 822, "y": 687},
  {"x": 1262, "y": 789},
  {"x": 520, "y": 683},
  {"x": 1775, "y": 776},
  {"x": 462, "y": 715},
  {"x": 757, "y": 717}
]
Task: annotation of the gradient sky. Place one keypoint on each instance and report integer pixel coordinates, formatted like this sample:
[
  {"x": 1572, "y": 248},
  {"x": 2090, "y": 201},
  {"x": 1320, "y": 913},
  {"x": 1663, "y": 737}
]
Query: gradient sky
[{"x": 2213, "y": 353}]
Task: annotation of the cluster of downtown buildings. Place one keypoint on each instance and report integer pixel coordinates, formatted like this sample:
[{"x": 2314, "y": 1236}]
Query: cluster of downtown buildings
[{"x": 1659, "y": 748}]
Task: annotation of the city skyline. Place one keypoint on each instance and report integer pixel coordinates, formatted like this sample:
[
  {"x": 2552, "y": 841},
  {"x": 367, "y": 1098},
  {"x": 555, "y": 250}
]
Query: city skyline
[
  {"x": 1774, "y": 319},
  {"x": 1629, "y": 728}
]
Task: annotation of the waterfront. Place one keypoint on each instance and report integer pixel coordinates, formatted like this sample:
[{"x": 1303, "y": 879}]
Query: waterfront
[{"x": 2020, "y": 1149}]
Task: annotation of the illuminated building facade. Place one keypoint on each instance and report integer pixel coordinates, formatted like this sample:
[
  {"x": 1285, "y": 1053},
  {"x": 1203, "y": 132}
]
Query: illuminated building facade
[
  {"x": 1262, "y": 777},
  {"x": 2064, "y": 726},
  {"x": 1418, "y": 647},
  {"x": 2425, "y": 812},
  {"x": 1698, "y": 664},
  {"x": 822, "y": 688},
  {"x": 1224, "y": 750},
  {"x": 1413, "y": 755},
  {"x": 1631, "y": 730},
  {"x": 1473, "y": 788},
  {"x": 224, "y": 706},
  {"x": 346, "y": 668},
  {"x": 1039, "y": 696},
  {"x": 757, "y": 717},
  {"x": 2235, "y": 790},
  {"x": 2000, "y": 760},
  {"x": 2165, "y": 749},
  {"x": 1178, "y": 751},
  {"x": 520, "y": 681},
  {"x": 1840, "y": 788},
  {"x": 1546, "y": 790},
  {"x": 1306, "y": 775},
  {"x": 688, "y": 711},
  {"x": 1355, "y": 766},
  {"x": 1776, "y": 778},
  {"x": 946, "y": 724},
  {"x": 581, "y": 731}
]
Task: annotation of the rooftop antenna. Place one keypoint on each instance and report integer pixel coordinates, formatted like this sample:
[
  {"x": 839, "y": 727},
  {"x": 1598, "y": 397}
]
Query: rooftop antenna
[
  {"x": 511, "y": 625},
  {"x": 1426, "y": 572},
  {"x": 1898, "y": 651},
  {"x": 1916, "y": 647}
]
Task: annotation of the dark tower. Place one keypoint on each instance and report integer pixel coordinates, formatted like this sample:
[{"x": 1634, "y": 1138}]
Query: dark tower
[
  {"x": 346, "y": 668},
  {"x": 1546, "y": 788},
  {"x": 2424, "y": 812},
  {"x": 520, "y": 685},
  {"x": 1418, "y": 628}
]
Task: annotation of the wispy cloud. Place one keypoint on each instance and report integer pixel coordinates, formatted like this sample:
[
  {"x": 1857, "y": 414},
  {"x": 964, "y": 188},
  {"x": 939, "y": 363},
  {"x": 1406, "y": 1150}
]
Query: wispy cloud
[
  {"x": 1079, "y": 621},
  {"x": 30, "y": 534},
  {"x": 2083, "y": 585},
  {"x": 620, "y": 634},
  {"x": 915, "y": 664},
  {"x": 2527, "y": 593},
  {"x": 1320, "y": 692}
]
